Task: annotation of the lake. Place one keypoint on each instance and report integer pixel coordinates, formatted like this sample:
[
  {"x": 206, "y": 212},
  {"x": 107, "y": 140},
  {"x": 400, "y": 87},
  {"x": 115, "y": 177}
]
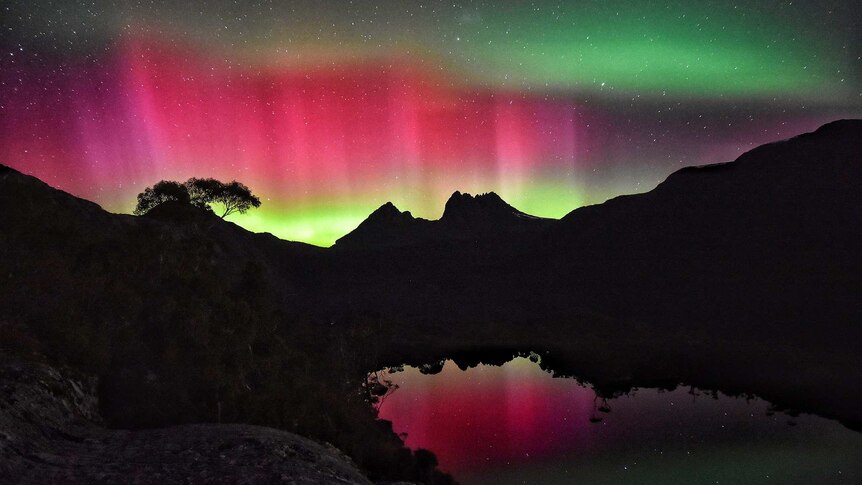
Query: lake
[{"x": 516, "y": 423}]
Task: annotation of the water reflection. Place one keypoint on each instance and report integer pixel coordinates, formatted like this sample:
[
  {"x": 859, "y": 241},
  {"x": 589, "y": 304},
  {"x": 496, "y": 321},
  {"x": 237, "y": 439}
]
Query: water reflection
[{"x": 516, "y": 423}]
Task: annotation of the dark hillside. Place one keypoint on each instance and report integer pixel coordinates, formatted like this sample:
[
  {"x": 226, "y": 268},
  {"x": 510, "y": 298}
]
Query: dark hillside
[
  {"x": 742, "y": 277},
  {"x": 184, "y": 318}
]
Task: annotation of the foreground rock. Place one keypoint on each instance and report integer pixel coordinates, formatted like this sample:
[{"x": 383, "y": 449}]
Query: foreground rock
[{"x": 51, "y": 432}]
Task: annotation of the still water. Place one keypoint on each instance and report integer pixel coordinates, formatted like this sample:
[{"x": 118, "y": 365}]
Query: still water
[{"x": 518, "y": 424}]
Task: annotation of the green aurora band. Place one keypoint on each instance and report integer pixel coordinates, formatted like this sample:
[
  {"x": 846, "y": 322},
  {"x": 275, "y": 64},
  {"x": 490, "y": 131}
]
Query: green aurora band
[{"x": 327, "y": 110}]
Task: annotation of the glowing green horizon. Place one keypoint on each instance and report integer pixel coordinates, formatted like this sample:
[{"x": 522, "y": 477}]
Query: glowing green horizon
[
  {"x": 328, "y": 109},
  {"x": 322, "y": 223}
]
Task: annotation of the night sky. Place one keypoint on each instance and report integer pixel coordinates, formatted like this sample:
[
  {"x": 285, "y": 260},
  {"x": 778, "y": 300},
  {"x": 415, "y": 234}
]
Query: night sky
[{"x": 329, "y": 109}]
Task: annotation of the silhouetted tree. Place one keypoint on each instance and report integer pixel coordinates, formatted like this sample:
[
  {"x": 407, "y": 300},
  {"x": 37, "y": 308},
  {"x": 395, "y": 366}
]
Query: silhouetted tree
[
  {"x": 203, "y": 191},
  {"x": 234, "y": 196},
  {"x": 164, "y": 191}
]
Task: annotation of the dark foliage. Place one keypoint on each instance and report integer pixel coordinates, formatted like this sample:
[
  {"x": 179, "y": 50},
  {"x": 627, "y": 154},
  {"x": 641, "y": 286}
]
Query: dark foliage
[
  {"x": 162, "y": 192},
  {"x": 202, "y": 191},
  {"x": 234, "y": 197}
]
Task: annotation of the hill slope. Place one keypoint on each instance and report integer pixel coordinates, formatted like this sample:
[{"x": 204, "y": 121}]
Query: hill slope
[
  {"x": 184, "y": 318},
  {"x": 742, "y": 276},
  {"x": 770, "y": 240}
]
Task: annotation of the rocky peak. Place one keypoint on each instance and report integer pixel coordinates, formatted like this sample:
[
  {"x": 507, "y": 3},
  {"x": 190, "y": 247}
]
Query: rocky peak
[
  {"x": 388, "y": 213},
  {"x": 482, "y": 208},
  {"x": 384, "y": 227}
]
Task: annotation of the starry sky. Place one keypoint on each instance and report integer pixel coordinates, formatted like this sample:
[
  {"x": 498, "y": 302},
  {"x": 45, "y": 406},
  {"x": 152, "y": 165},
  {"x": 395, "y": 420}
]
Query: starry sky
[{"x": 329, "y": 109}]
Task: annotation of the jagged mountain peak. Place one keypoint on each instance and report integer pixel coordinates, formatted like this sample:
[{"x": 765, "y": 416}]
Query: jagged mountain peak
[
  {"x": 487, "y": 207},
  {"x": 484, "y": 198},
  {"x": 388, "y": 212},
  {"x": 465, "y": 216},
  {"x": 383, "y": 227}
]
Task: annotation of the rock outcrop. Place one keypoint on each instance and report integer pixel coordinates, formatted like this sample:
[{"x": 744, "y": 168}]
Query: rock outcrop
[{"x": 51, "y": 432}]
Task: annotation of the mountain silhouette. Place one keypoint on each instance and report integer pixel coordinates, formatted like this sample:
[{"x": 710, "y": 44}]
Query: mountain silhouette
[
  {"x": 386, "y": 227},
  {"x": 800, "y": 191},
  {"x": 465, "y": 218},
  {"x": 180, "y": 317},
  {"x": 487, "y": 211},
  {"x": 759, "y": 253},
  {"x": 767, "y": 240},
  {"x": 742, "y": 276}
]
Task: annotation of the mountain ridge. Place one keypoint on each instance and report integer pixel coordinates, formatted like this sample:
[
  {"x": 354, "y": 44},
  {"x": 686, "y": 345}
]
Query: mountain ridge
[
  {"x": 764, "y": 186},
  {"x": 715, "y": 269},
  {"x": 464, "y": 209},
  {"x": 465, "y": 218}
]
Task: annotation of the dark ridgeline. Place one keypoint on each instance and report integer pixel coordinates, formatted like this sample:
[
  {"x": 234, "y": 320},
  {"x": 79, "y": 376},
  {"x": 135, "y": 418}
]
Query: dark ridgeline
[
  {"x": 465, "y": 218},
  {"x": 184, "y": 318},
  {"x": 742, "y": 277},
  {"x": 770, "y": 240},
  {"x": 388, "y": 226}
]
